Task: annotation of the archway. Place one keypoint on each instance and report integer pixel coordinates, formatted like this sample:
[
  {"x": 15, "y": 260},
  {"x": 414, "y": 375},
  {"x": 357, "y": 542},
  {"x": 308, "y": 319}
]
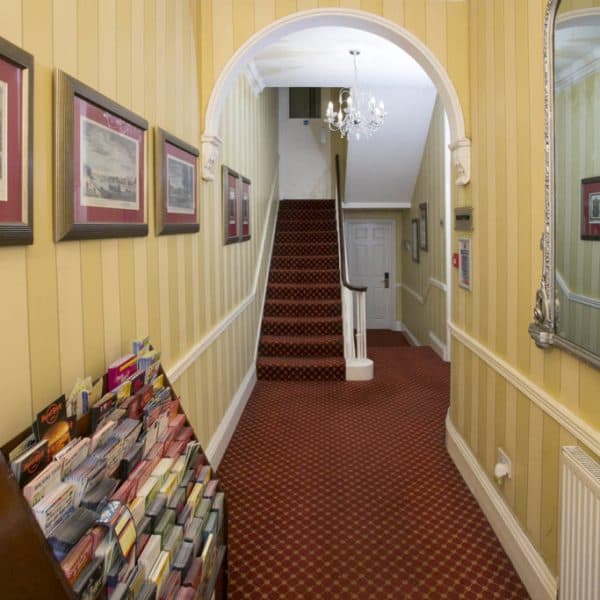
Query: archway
[{"x": 460, "y": 146}]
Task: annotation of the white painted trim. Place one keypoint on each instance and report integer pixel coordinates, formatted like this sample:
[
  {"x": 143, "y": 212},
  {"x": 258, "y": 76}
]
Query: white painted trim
[
  {"x": 274, "y": 207},
  {"x": 448, "y": 230},
  {"x": 529, "y": 564},
  {"x": 574, "y": 296},
  {"x": 414, "y": 341},
  {"x": 215, "y": 450},
  {"x": 359, "y": 369},
  {"x": 431, "y": 282},
  {"x": 375, "y": 205},
  {"x": 175, "y": 371},
  {"x": 341, "y": 17},
  {"x": 439, "y": 347},
  {"x": 256, "y": 82},
  {"x": 397, "y": 326},
  {"x": 575, "y": 425}
]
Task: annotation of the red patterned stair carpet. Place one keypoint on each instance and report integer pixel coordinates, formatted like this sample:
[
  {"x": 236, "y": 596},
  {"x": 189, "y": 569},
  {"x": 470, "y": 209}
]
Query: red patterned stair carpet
[
  {"x": 302, "y": 322},
  {"x": 345, "y": 490}
]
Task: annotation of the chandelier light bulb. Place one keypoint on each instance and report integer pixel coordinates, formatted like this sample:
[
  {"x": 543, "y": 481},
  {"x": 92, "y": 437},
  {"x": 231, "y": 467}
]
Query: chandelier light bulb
[{"x": 358, "y": 113}]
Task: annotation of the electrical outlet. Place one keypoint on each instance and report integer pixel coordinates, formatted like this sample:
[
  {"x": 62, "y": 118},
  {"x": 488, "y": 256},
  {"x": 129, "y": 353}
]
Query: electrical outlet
[{"x": 504, "y": 459}]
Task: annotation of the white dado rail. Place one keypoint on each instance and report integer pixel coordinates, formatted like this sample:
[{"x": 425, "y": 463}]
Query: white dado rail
[
  {"x": 432, "y": 282},
  {"x": 574, "y": 296}
]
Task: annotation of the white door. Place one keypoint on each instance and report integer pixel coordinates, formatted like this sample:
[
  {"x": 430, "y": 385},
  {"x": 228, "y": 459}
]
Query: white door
[{"x": 370, "y": 248}]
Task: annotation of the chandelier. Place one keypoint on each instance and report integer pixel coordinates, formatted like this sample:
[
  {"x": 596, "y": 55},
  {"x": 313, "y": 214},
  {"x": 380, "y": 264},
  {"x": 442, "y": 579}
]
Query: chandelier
[{"x": 359, "y": 113}]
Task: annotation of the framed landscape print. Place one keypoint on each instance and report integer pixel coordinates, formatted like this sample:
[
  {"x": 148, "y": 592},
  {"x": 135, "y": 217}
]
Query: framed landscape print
[
  {"x": 245, "y": 209},
  {"x": 176, "y": 171},
  {"x": 590, "y": 208},
  {"x": 16, "y": 145},
  {"x": 423, "y": 226},
  {"x": 231, "y": 204},
  {"x": 415, "y": 240},
  {"x": 100, "y": 153}
]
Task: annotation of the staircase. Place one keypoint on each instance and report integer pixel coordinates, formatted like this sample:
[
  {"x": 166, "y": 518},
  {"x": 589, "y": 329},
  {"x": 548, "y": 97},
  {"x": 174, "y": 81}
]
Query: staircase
[{"x": 302, "y": 322}]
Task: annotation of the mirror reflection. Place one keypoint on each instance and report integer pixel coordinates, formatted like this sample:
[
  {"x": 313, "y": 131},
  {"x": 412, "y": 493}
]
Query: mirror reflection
[{"x": 577, "y": 172}]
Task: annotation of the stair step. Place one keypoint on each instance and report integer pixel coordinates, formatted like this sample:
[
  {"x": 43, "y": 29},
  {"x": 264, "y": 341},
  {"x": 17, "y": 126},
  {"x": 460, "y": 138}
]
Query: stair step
[
  {"x": 302, "y": 237},
  {"x": 301, "y": 346},
  {"x": 307, "y": 308},
  {"x": 301, "y": 369},
  {"x": 304, "y": 291},
  {"x": 307, "y": 203},
  {"x": 306, "y": 276},
  {"x": 314, "y": 262},
  {"x": 306, "y": 214},
  {"x": 307, "y": 226},
  {"x": 299, "y": 248},
  {"x": 309, "y": 326}
]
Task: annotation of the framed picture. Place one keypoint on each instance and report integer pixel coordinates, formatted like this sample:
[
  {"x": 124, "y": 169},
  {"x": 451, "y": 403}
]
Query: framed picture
[
  {"x": 16, "y": 145},
  {"x": 423, "y": 226},
  {"x": 245, "y": 209},
  {"x": 415, "y": 240},
  {"x": 464, "y": 263},
  {"x": 590, "y": 208},
  {"x": 176, "y": 174},
  {"x": 231, "y": 204},
  {"x": 100, "y": 154}
]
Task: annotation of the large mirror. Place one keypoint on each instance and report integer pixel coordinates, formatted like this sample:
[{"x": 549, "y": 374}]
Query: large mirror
[{"x": 567, "y": 310}]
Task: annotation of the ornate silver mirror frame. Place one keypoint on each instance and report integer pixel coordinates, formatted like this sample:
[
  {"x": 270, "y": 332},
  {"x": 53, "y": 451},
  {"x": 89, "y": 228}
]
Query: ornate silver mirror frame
[{"x": 546, "y": 311}]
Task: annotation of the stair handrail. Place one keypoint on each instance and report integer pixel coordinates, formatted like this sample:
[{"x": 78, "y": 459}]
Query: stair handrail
[
  {"x": 358, "y": 366},
  {"x": 341, "y": 236}
]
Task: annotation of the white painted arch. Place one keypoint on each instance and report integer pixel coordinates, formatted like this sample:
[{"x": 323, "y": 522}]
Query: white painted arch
[{"x": 460, "y": 145}]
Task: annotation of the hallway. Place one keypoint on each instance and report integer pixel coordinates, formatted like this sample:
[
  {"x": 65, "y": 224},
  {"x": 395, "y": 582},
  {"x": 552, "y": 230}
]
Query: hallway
[{"x": 345, "y": 490}]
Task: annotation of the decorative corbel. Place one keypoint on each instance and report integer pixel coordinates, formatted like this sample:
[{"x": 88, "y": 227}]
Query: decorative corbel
[
  {"x": 211, "y": 146},
  {"x": 461, "y": 159}
]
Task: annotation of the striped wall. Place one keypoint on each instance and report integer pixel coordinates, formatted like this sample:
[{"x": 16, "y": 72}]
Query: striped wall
[
  {"x": 69, "y": 309},
  {"x": 578, "y": 261},
  {"x": 493, "y": 53},
  {"x": 423, "y": 283},
  {"x": 493, "y": 358}
]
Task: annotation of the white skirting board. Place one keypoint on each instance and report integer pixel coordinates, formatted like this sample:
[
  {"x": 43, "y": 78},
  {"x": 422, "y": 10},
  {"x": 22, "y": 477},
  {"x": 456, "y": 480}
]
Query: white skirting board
[
  {"x": 439, "y": 347},
  {"x": 530, "y": 566},
  {"x": 414, "y": 341},
  {"x": 222, "y": 436}
]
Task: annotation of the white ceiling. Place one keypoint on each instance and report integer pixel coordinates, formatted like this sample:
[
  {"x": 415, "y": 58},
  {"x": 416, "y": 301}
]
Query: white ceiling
[{"x": 319, "y": 57}]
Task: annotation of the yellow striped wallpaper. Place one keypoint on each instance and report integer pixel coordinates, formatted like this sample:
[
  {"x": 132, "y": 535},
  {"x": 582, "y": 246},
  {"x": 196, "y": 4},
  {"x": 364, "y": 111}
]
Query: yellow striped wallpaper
[
  {"x": 493, "y": 53},
  {"x": 424, "y": 306},
  {"x": 507, "y": 192},
  {"x": 69, "y": 309}
]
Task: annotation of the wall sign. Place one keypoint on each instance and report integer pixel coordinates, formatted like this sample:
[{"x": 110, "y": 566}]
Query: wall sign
[{"x": 464, "y": 263}]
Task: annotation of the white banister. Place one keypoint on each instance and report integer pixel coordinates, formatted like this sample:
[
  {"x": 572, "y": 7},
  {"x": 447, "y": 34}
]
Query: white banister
[{"x": 354, "y": 306}]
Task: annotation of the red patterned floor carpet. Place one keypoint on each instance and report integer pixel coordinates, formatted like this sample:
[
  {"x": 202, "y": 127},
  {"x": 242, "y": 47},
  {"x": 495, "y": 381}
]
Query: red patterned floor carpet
[{"x": 345, "y": 490}]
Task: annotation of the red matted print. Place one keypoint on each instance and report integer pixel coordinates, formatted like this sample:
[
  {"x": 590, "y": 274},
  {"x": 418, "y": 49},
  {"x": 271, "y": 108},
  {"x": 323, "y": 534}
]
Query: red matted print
[
  {"x": 245, "y": 209},
  {"x": 13, "y": 205},
  {"x": 180, "y": 203},
  {"x": 108, "y": 167},
  {"x": 231, "y": 204},
  {"x": 590, "y": 208}
]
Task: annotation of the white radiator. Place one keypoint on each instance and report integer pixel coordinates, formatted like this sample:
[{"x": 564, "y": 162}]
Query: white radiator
[{"x": 580, "y": 526}]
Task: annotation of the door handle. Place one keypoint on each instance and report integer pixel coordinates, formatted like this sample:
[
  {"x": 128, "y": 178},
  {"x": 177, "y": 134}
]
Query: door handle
[{"x": 386, "y": 280}]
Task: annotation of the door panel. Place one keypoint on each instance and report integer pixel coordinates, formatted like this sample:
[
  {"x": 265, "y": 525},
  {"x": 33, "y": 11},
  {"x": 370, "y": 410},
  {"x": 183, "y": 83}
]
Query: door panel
[{"x": 370, "y": 256}]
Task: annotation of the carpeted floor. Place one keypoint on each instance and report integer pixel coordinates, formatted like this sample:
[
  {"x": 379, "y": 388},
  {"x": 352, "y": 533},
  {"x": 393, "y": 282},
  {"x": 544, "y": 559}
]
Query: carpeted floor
[{"x": 345, "y": 490}]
